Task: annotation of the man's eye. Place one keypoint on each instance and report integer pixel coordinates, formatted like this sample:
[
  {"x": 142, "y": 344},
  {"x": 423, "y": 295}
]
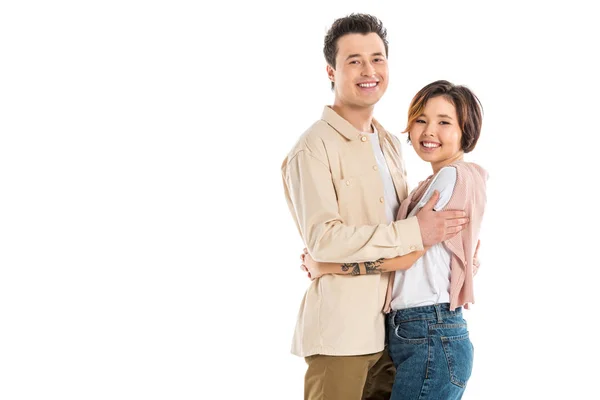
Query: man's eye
[{"x": 354, "y": 62}]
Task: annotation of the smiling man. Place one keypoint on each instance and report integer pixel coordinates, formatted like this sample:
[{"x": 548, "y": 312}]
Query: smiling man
[{"x": 343, "y": 181}]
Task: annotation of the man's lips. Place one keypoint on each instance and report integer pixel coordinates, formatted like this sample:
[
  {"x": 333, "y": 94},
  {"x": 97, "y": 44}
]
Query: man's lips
[{"x": 368, "y": 84}]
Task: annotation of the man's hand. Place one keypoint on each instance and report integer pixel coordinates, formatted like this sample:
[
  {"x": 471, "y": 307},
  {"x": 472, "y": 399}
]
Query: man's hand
[{"x": 438, "y": 226}]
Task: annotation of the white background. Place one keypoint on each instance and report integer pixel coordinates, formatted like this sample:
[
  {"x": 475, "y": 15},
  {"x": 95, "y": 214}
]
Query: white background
[{"x": 146, "y": 249}]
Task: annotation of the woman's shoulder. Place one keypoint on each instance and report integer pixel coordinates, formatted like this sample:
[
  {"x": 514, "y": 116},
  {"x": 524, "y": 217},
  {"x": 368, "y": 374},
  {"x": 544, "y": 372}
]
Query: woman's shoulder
[
  {"x": 469, "y": 170},
  {"x": 471, "y": 186}
]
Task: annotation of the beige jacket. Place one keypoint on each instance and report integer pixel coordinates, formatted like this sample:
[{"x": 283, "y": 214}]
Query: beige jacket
[{"x": 335, "y": 194}]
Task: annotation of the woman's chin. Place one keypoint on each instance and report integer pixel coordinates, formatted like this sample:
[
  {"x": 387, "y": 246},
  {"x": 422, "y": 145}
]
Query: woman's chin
[{"x": 427, "y": 157}]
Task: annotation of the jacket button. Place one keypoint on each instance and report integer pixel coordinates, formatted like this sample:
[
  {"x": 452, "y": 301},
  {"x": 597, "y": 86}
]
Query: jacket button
[
  {"x": 374, "y": 167},
  {"x": 363, "y": 138},
  {"x": 381, "y": 199}
]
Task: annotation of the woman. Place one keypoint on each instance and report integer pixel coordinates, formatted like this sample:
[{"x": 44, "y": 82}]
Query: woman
[{"x": 427, "y": 338}]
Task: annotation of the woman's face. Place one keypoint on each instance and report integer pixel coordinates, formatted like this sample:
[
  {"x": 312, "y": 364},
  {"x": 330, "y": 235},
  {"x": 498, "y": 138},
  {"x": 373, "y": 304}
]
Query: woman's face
[{"x": 435, "y": 134}]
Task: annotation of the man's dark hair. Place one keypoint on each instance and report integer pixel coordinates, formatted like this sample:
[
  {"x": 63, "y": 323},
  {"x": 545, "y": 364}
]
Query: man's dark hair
[{"x": 353, "y": 23}]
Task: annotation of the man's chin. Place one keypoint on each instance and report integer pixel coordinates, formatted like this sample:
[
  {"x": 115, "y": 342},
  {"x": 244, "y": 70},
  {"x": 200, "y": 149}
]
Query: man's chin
[
  {"x": 365, "y": 103},
  {"x": 370, "y": 104}
]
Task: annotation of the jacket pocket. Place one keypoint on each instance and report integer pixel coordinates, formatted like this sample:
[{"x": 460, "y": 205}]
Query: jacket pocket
[
  {"x": 459, "y": 356},
  {"x": 347, "y": 191}
]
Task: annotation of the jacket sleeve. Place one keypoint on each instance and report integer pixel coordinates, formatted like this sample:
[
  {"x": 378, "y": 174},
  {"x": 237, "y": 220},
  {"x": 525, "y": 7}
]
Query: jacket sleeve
[{"x": 328, "y": 239}]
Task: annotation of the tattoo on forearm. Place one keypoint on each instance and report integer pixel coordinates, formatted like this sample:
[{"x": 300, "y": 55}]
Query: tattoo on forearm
[
  {"x": 354, "y": 266},
  {"x": 374, "y": 267}
]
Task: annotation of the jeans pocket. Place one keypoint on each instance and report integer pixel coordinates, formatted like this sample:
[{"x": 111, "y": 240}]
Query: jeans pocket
[
  {"x": 459, "y": 355},
  {"x": 411, "y": 332}
]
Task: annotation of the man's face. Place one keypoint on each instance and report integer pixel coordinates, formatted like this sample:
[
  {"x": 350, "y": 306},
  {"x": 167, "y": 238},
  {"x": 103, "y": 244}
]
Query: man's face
[{"x": 361, "y": 71}]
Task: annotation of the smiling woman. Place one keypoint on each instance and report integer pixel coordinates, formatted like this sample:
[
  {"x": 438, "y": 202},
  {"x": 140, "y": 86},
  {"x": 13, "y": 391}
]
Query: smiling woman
[{"x": 440, "y": 123}]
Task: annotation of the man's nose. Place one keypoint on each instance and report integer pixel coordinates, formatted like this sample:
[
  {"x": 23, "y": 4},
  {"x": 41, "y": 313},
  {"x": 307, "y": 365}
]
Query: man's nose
[{"x": 368, "y": 69}]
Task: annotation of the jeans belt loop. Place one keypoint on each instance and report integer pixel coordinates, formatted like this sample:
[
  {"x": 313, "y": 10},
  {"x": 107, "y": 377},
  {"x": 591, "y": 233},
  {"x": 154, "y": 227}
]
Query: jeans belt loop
[{"x": 438, "y": 313}]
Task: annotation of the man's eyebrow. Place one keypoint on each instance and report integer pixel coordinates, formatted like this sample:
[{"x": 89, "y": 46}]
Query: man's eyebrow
[{"x": 358, "y": 55}]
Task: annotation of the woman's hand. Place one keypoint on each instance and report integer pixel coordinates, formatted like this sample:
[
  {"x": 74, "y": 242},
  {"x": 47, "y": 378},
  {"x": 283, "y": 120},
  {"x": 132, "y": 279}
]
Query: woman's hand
[{"x": 310, "y": 266}]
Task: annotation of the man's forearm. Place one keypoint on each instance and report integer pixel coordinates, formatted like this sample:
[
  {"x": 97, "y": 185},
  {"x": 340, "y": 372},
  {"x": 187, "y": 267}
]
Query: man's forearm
[
  {"x": 364, "y": 268},
  {"x": 340, "y": 243},
  {"x": 314, "y": 203},
  {"x": 380, "y": 266}
]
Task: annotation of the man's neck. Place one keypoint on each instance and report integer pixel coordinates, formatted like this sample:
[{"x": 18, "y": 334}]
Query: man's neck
[{"x": 360, "y": 117}]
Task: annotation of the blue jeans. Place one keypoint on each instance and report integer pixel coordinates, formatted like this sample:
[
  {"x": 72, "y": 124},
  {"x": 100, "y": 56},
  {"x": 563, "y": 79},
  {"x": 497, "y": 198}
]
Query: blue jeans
[{"x": 432, "y": 352}]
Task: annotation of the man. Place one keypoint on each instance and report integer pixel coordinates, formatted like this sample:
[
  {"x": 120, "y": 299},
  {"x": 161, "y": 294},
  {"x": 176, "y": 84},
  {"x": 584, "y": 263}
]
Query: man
[{"x": 343, "y": 182}]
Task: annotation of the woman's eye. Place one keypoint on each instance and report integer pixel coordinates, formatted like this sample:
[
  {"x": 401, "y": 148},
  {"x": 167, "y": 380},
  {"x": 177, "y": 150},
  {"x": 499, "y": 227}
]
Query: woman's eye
[
  {"x": 444, "y": 123},
  {"x": 420, "y": 121}
]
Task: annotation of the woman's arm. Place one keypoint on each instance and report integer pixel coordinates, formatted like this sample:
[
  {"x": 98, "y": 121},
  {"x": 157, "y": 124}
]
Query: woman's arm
[{"x": 317, "y": 269}]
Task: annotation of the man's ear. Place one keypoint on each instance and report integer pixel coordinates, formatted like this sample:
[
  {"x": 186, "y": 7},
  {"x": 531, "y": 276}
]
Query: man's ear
[{"x": 330, "y": 73}]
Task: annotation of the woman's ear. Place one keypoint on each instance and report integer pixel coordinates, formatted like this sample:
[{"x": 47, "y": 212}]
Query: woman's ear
[{"x": 408, "y": 137}]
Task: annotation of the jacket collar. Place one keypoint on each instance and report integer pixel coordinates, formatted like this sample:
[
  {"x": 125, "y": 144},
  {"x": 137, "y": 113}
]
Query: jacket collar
[{"x": 344, "y": 127}]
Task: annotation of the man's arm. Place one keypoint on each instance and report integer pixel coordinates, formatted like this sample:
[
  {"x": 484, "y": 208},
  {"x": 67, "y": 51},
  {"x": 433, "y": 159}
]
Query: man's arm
[
  {"x": 327, "y": 237},
  {"x": 401, "y": 263},
  {"x": 443, "y": 183}
]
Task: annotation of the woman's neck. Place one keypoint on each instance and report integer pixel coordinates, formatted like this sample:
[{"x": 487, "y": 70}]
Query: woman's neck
[{"x": 436, "y": 166}]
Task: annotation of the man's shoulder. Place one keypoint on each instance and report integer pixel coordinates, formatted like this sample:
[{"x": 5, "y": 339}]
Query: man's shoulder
[
  {"x": 314, "y": 139},
  {"x": 319, "y": 130}
]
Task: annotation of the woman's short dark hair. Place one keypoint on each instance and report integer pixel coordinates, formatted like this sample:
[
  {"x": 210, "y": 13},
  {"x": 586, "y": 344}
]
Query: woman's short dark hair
[{"x": 468, "y": 109}]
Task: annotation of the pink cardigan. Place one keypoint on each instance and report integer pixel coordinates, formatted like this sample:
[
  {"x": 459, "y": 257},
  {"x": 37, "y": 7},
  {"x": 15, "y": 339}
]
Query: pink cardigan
[{"x": 469, "y": 195}]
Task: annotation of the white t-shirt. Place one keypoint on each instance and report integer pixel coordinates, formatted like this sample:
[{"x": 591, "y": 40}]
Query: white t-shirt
[
  {"x": 427, "y": 282},
  {"x": 389, "y": 191}
]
